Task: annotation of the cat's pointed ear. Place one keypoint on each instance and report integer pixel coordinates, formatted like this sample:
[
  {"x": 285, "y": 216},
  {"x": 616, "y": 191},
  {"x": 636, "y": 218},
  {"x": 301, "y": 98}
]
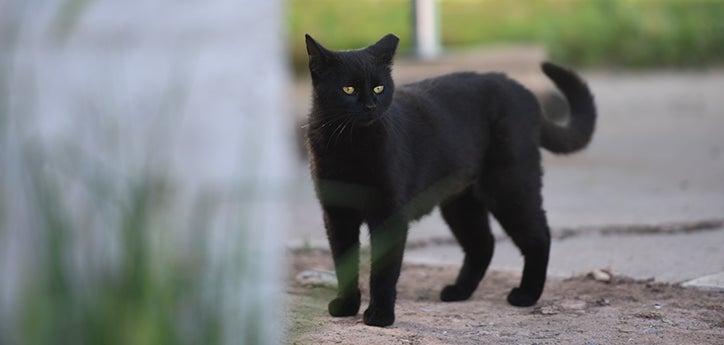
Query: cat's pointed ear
[
  {"x": 316, "y": 50},
  {"x": 385, "y": 48},
  {"x": 319, "y": 56}
]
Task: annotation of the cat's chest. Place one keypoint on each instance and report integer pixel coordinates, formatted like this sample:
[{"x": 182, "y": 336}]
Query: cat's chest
[
  {"x": 350, "y": 166},
  {"x": 357, "y": 180}
]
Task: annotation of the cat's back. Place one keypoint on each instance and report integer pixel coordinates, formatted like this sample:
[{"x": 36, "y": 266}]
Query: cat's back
[
  {"x": 462, "y": 93},
  {"x": 456, "y": 81},
  {"x": 454, "y": 87}
]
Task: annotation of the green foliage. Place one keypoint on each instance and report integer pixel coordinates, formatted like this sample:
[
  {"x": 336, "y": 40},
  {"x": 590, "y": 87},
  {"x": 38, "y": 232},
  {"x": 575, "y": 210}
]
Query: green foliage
[
  {"x": 633, "y": 33},
  {"x": 639, "y": 33},
  {"x": 346, "y": 24},
  {"x": 141, "y": 298}
]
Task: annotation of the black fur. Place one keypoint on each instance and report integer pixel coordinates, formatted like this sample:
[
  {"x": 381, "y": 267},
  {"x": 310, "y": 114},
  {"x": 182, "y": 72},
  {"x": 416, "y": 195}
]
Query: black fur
[{"x": 467, "y": 142}]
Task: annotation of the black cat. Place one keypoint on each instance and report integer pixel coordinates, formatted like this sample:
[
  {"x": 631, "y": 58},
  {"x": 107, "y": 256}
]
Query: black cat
[{"x": 467, "y": 142}]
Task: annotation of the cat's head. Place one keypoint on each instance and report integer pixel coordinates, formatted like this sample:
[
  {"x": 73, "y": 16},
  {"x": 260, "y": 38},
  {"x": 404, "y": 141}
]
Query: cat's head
[{"x": 356, "y": 83}]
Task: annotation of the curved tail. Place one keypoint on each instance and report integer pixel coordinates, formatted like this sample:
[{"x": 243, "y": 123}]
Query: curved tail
[{"x": 577, "y": 133}]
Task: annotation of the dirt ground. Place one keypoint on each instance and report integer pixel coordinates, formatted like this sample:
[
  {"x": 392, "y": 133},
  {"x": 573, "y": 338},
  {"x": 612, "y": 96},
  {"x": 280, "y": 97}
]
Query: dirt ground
[{"x": 578, "y": 310}]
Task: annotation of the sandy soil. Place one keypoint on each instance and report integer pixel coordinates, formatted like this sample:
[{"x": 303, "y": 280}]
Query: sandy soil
[{"x": 572, "y": 311}]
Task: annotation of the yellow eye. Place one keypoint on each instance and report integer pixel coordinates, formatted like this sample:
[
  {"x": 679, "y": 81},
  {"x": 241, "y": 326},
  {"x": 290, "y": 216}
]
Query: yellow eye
[
  {"x": 348, "y": 90},
  {"x": 378, "y": 89}
]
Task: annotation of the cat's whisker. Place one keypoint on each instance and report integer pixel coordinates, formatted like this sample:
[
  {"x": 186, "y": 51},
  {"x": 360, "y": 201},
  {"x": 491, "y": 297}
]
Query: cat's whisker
[
  {"x": 336, "y": 129},
  {"x": 344, "y": 127}
]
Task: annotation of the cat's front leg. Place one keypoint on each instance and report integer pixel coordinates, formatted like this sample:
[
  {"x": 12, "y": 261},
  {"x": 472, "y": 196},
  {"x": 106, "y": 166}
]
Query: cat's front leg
[
  {"x": 387, "y": 241},
  {"x": 342, "y": 227}
]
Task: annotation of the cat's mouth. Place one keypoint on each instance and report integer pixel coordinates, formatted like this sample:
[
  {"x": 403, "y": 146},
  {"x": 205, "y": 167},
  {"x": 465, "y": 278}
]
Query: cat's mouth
[{"x": 368, "y": 119}]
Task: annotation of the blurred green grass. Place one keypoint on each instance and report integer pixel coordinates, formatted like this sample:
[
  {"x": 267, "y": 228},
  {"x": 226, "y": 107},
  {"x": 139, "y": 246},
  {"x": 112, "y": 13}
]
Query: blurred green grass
[
  {"x": 147, "y": 297},
  {"x": 618, "y": 33}
]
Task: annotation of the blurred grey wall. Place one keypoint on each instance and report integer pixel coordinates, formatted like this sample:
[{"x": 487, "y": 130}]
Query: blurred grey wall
[{"x": 194, "y": 91}]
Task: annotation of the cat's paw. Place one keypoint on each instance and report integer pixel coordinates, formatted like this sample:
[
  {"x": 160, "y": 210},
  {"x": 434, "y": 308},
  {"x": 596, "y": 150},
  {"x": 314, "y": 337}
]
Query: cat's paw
[
  {"x": 521, "y": 298},
  {"x": 453, "y": 293},
  {"x": 345, "y": 306},
  {"x": 379, "y": 317}
]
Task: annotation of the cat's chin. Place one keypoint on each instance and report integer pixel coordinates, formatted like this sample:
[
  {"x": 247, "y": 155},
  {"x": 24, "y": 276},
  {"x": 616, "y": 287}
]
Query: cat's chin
[{"x": 368, "y": 120}]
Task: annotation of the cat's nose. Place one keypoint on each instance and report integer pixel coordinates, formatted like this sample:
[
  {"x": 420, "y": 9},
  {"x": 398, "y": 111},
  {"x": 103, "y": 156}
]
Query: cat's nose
[{"x": 370, "y": 105}]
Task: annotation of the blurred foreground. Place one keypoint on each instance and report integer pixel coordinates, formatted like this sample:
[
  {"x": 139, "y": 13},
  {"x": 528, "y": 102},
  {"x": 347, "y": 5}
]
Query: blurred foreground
[{"x": 138, "y": 199}]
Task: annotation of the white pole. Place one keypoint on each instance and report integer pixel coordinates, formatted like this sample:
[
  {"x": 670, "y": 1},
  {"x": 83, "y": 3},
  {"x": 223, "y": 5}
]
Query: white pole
[{"x": 426, "y": 32}]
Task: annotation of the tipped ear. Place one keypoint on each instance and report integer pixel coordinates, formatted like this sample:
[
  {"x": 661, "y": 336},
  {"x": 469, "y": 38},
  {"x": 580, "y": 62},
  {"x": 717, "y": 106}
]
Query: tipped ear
[
  {"x": 318, "y": 55},
  {"x": 315, "y": 49},
  {"x": 385, "y": 48}
]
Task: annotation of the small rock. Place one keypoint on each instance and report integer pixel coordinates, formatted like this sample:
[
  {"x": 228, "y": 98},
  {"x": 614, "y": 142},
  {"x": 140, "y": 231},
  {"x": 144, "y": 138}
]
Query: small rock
[
  {"x": 601, "y": 275},
  {"x": 547, "y": 310},
  {"x": 668, "y": 322},
  {"x": 649, "y": 315},
  {"x": 603, "y": 302},
  {"x": 573, "y": 304},
  {"x": 317, "y": 278},
  {"x": 655, "y": 287}
]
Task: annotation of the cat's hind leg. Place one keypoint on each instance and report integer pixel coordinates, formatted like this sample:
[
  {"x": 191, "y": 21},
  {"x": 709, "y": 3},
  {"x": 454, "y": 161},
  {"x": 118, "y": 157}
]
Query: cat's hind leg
[
  {"x": 467, "y": 217},
  {"x": 518, "y": 208}
]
